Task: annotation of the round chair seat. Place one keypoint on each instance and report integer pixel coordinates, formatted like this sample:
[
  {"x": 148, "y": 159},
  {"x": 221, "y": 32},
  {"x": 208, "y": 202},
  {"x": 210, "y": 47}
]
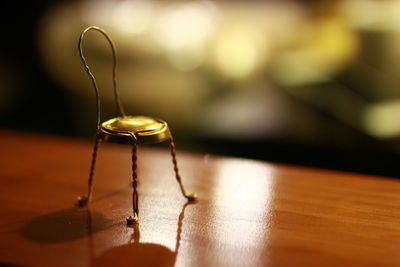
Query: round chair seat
[{"x": 146, "y": 130}]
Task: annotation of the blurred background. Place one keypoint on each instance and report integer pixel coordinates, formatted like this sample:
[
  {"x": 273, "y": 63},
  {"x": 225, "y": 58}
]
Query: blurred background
[{"x": 314, "y": 83}]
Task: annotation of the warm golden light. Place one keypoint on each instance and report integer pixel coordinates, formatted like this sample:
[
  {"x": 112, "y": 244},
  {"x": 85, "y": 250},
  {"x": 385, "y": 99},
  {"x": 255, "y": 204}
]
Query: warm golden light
[
  {"x": 328, "y": 46},
  {"x": 133, "y": 17},
  {"x": 182, "y": 30},
  {"x": 372, "y": 15},
  {"x": 382, "y": 120},
  {"x": 184, "y": 25},
  {"x": 239, "y": 50}
]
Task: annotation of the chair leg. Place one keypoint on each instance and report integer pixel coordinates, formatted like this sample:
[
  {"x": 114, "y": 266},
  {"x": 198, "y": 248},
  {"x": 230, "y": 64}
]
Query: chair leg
[
  {"x": 189, "y": 196},
  {"x": 135, "y": 202},
  {"x": 84, "y": 200}
]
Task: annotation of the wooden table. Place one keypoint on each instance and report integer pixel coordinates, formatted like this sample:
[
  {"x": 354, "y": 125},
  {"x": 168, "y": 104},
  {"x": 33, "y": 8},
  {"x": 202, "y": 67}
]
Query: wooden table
[{"x": 249, "y": 213}]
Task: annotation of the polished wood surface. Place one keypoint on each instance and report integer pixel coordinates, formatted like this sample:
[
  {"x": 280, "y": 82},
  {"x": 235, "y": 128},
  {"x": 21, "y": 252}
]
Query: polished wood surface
[{"x": 249, "y": 213}]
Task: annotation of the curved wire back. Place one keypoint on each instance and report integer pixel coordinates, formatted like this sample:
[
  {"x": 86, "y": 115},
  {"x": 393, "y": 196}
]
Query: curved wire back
[{"x": 92, "y": 78}]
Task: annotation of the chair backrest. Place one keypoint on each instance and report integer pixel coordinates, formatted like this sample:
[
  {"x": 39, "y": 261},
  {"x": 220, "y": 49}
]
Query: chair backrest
[{"x": 93, "y": 79}]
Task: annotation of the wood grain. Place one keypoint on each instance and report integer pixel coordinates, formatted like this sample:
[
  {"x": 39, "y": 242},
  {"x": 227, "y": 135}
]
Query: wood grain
[{"x": 250, "y": 213}]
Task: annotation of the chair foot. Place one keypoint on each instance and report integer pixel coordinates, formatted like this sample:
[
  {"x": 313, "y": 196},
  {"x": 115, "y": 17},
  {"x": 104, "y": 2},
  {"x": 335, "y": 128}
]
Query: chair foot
[
  {"x": 82, "y": 201},
  {"x": 132, "y": 219},
  {"x": 191, "y": 196}
]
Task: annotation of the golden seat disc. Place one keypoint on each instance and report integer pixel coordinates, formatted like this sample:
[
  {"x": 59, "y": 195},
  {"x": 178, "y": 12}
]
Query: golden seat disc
[{"x": 147, "y": 130}]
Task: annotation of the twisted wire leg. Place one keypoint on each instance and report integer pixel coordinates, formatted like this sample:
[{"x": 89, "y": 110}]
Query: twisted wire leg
[
  {"x": 84, "y": 200},
  {"x": 189, "y": 196},
  {"x": 135, "y": 203}
]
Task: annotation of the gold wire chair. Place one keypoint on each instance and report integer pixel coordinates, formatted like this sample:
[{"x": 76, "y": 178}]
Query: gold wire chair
[{"x": 138, "y": 129}]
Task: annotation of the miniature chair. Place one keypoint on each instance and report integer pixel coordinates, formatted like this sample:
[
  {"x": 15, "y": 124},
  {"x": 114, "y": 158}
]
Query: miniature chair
[{"x": 137, "y": 129}]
